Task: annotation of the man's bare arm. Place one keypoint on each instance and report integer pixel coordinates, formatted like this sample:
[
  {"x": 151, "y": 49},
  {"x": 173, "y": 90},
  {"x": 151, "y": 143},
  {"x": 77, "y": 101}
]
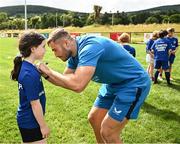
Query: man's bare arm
[{"x": 76, "y": 81}]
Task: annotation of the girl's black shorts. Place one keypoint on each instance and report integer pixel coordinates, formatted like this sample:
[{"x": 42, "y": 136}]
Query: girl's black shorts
[{"x": 31, "y": 135}]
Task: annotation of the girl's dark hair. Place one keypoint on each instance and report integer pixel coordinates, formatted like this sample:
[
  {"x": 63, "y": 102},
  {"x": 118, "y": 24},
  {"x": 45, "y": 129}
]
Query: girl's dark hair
[{"x": 26, "y": 42}]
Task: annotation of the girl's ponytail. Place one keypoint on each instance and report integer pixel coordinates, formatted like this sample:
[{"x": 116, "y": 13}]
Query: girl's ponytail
[{"x": 17, "y": 68}]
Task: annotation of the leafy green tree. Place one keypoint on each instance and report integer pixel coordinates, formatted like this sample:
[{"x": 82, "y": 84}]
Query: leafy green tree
[
  {"x": 77, "y": 21},
  {"x": 66, "y": 19},
  {"x": 175, "y": 18},
  {"x": 165, "y": 19},
  {"x": 139, "y": 18},
  {"x": 18, "y": 23},
  {"x": 35, "y": 21},
  {"x": 105, "y": 19},
  {"x": 3, "y": 17},
  {"x": 90, "y": 20},
  {"x": 151, "y": 20},
  {"x": 44, "y": 21}
]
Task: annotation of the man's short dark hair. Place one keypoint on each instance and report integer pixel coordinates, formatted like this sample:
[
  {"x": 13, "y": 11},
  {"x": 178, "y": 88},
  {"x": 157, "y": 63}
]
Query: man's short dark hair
[{"x": 57, "y": 34}]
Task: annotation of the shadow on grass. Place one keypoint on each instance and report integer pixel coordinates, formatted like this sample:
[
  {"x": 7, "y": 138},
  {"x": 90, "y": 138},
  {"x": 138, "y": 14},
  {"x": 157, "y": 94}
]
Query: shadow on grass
[
  {"x": 177, "y": 140},
  {"x": 165, "y": 114},
  {"x": 175, "y": 84},
  {"x": 177, "y": 80}
]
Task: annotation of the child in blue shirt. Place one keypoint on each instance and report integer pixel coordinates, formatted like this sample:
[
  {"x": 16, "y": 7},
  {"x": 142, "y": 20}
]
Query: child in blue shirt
[
  {"x": 149, "y": 56},
  {"x": 174, "y": 43},
  {"x": 161, "y": 49},
  {"x": 124, "y": 39},
  {"x": 31, "y": 110}
]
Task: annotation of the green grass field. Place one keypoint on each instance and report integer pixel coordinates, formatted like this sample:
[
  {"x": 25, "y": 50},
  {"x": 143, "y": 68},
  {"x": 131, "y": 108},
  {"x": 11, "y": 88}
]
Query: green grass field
[{"x": 66, "y": 111}]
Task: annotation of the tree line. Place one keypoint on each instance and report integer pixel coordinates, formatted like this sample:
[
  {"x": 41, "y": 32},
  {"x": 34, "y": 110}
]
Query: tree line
[{"x": 50, "y": 20}]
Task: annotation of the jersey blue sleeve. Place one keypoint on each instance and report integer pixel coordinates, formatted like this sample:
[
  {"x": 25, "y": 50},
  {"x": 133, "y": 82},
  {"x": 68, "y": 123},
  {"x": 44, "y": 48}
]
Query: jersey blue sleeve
[
  {"x": 90, "y": 55},
  {"x": 31, "y": 87}
]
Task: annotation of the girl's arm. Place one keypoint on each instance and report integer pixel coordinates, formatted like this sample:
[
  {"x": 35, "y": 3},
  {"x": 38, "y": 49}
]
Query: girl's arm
[{"x": 38, "y": 113}]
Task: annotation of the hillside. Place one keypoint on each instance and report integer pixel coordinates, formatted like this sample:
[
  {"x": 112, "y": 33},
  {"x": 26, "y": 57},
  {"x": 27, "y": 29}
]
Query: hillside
[
  {"x": 31, "y": 9},
  {"x": 161, "y": 9},
  {"x": 35, "y": 9}
]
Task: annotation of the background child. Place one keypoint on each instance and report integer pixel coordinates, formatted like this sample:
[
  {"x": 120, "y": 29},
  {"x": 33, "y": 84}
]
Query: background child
[
  {"x": 174, "y": 43},
  {"x": 31, "y": 110},
  {"x": 149, "y": 56},
  {"x": 161, "y": 49},
  {"x": 124, "y": 39}
]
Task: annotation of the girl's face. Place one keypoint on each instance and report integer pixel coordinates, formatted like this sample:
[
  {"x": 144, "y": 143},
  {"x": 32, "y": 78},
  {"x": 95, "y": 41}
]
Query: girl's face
[{"x": 40, "y": 51}]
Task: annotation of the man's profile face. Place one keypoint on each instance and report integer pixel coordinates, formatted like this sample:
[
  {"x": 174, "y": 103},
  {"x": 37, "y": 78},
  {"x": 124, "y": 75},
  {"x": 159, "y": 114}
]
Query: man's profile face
[{"x": 60, "y": 49}]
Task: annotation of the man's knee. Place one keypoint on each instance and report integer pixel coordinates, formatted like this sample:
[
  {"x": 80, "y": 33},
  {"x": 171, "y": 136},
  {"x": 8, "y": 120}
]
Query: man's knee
[
  {"x": 108, "y": 134},
  {"x": 96, "y": 115},
  {"x": 91, "y": 117}
]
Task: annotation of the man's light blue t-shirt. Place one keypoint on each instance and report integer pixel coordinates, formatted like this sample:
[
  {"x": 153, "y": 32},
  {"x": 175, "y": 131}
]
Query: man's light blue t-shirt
[{"x": 114, "y": 65}]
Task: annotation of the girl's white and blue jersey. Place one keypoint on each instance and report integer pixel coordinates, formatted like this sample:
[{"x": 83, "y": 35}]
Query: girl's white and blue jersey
[{"x": 30, "y": 88}]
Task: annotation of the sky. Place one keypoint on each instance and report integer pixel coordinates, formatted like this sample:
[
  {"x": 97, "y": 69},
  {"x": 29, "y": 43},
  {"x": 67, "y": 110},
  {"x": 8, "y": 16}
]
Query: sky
[{"x": 87, "y": 5}]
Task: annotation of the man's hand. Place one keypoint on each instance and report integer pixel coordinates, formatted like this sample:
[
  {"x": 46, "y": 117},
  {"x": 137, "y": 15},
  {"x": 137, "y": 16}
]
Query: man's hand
[{"x": 43, "y": 68}]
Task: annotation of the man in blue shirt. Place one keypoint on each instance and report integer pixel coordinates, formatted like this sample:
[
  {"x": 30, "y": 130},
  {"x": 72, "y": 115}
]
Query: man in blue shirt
[
  {"x": 174, "y": 42},
  {"x": 161, "y": 49},
  {"x": 125, "y": 84}
]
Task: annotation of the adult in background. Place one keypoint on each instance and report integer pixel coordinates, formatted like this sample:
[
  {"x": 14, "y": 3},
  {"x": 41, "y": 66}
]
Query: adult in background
[{"x": 125, "y": 83}]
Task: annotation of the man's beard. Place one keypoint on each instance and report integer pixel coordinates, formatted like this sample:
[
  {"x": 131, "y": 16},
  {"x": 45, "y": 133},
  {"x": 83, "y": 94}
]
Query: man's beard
[{"x": 68, "y": 55}]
